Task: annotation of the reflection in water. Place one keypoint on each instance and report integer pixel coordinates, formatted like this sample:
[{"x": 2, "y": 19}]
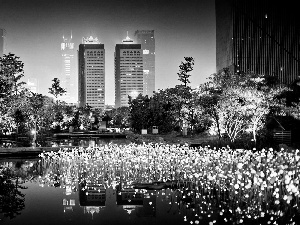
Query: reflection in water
[
  {"x": 12, "y": 200},
  {"x": 75, "y": 142},
  {"x": 88, "y": 142},
  {"x": 201, "y": 186}
]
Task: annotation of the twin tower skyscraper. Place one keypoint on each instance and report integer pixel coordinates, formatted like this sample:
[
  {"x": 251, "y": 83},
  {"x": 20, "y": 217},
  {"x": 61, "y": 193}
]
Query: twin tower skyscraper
[{"x": 134, "y": 69}]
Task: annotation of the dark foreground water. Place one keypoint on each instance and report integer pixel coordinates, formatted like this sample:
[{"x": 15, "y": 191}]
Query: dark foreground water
[
  {"x": 35, "y": 192},
  {"x": 122, "y": 186}
]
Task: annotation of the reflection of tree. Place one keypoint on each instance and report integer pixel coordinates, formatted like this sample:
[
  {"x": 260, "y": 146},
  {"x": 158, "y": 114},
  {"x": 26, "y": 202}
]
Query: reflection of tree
[{"x": 12, "y": 201}]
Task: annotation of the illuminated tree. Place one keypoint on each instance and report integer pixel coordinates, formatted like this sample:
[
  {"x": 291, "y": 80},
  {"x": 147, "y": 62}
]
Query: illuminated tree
[
  {"x": 231, "y": 111},
  {"x": 243, "y": 103},
  {"x": 258, "y": 103}
]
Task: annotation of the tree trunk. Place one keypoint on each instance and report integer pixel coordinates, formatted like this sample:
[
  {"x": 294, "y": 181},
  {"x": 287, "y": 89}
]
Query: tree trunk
[{"x": 218, "y": 124}]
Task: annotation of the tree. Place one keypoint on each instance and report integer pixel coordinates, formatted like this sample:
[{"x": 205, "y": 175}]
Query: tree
[
  {"x": 10, "y": 74},
  {"x": 139, "y": 112},
  {"x": 209, "y": 104},
  {"x": 56, "y": 90},
  {"x": 35, "y": 103},
  {"x": 244, "y": 101},
  {"x": 184, "y": 69},
  {"x": 161, "y": 112},
  {"x": 118, "y": 117},
  {"x": 11, "y": 71},
  {"x": 231, "y": 111},
  {"x": 258, "y": 103},
  {"x": 19, "y": 118},
  {"x": 81, "y": 118},
  {"x": 168, "y": 109}
]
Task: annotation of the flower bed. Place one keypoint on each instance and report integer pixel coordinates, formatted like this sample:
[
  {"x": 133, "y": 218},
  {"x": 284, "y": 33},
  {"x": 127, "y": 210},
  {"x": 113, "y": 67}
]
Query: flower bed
[{"x": 250, "y": 184}]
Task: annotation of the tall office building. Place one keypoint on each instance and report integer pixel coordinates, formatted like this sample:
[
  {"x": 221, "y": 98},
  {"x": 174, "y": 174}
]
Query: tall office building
[
  {"x": 69, "y": 78},
  {"x": 128, "y": 71},
  {"x": 91, "y": 73},
  {"x": 2, "y": 42},
  {"x": 260, "y": 36},
  {"x": 147, "y": 41}
]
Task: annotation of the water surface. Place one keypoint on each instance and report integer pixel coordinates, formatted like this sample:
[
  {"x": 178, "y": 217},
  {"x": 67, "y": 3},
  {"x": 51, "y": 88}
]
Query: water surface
[{"x": 129, "y": 185}]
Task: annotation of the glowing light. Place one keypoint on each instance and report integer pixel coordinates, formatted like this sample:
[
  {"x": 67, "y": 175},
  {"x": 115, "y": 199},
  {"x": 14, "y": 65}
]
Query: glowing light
[
  {"x": 198, "y": 174},
  {"x": 90, "y": 40},
  {"x": 134, "y": 94},
  {"x": 127, "y": 40}
]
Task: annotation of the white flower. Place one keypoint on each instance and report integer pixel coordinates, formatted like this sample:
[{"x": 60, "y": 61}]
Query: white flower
[{"x": 239, "y": 165}]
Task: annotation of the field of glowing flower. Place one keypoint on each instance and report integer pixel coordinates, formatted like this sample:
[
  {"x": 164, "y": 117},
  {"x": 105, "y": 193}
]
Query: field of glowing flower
[{"x": 250, "y": 183}]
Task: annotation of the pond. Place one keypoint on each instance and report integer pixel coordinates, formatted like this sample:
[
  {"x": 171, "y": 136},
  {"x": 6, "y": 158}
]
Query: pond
[
  {"x": 150, "y": 184},
  {"x": 76, "y": 142}
]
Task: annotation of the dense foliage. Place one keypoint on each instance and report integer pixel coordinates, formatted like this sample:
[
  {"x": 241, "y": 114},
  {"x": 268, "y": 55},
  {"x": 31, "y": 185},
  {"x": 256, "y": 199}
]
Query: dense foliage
[
  {"x": 227, "y": 105},
  {"x": 24, "y": 113}
]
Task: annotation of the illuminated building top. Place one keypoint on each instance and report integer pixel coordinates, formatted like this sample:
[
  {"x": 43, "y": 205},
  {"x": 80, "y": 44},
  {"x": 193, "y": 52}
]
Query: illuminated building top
[
  {"x": 90, "y": 40},
  {"x": 67, "y": 43},
  {"x": 127, "y": 40}
]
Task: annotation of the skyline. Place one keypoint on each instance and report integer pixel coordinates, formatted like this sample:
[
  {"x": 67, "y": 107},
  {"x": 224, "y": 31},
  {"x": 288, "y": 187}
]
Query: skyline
[{"x": 35, "y": 30}]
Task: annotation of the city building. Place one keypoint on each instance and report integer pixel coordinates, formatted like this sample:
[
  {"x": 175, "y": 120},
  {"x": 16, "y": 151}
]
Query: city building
[
  {"x": 260, "y": 36},
  {"x": 69, "y": 78},
  {"x": 128, "y": 71},
  {"x": 33, "y": 85},
  {"x": 2, "y": 42},
  {"x": 91, "y": 73},
  {"x": 147, "y": 41}
]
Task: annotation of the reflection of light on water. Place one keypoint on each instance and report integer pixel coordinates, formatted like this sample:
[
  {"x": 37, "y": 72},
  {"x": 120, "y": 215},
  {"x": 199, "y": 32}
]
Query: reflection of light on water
[
  {"x": 88, "y": 142},
  {"x": 92, "y": 209},
  {"x": 236, "y": 185},
  {"x": 130, "y": 208}
]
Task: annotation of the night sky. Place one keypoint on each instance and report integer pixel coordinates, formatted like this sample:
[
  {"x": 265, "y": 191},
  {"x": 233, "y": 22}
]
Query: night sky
[{"x": 182, "y": 28}]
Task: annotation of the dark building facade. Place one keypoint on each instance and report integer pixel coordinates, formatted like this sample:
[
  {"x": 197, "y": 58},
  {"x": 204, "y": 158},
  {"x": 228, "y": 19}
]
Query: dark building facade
[
  {"x": 91, "y": 73},
  {"x": 128, "y": 71},
  {"x": 147, "y": 41},
  {"x": 260, "y": 36}
]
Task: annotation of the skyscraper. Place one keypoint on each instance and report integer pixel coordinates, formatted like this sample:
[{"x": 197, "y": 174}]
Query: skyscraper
[
  {"x": 147, "y": 41},
  {"x": 69, "y": 78},
  {"x": 128, "y": 71},
  {"x": 2, "y": 42},
  {"x": 260, "y": 36},
  {"x": 91, "y": 73}
]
